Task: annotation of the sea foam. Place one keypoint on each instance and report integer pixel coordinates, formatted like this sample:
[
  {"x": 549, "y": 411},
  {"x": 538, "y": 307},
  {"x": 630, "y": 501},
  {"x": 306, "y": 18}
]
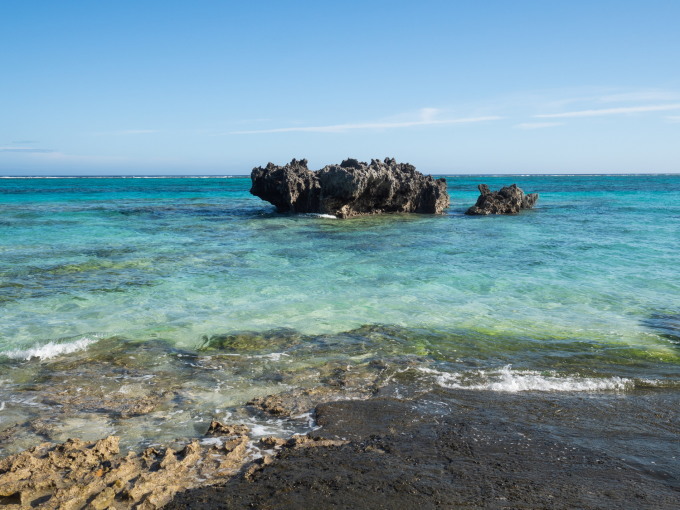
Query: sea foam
[
  {"x": 320, "y": 215},
  {"x": 512, "y": 381},
  {"x": 50, "y": 349}
]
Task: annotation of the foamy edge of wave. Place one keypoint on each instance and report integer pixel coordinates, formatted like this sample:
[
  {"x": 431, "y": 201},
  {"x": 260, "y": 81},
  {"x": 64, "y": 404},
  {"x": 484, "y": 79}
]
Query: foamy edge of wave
[
  {"x": 321, "y": 215},
  {"x": 514, "y": 381},
  {"x": 50, "y": 349}
]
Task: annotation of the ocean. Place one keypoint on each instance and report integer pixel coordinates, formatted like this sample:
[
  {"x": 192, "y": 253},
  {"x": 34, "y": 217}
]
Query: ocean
[{"x": 145, "y": 307}]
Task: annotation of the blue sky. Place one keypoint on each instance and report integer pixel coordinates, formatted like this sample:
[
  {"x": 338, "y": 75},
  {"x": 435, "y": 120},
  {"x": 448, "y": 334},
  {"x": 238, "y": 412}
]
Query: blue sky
[{"x": 207, "y": 87}]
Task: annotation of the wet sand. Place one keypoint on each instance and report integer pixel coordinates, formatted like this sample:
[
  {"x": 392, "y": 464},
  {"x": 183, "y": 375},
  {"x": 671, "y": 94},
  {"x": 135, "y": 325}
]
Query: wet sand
[{"x": 473, "y": 449}]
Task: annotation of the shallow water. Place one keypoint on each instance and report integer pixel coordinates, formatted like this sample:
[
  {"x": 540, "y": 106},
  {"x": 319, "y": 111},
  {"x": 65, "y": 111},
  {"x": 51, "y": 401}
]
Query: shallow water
[{"x": 123, "y": 292}]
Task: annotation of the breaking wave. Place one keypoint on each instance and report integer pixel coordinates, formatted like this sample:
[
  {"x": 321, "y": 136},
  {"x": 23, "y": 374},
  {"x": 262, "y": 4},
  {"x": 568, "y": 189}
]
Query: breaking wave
[
  {"x": 321, "y": 215},
  {"x": 512, "y": 381},
  {"x": 51, "y": 349}
]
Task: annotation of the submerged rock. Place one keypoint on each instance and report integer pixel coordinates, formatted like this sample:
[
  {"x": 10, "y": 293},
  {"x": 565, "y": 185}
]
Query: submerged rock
[
  {"x": 666, "y": 325},
  {"x": 350, "y": 189},
  {"x": 296, "y": 402},
  {"x": 251, "y": 342},
  {"x": 336, "y": 380},
  {"x": 508, "y": 200}
]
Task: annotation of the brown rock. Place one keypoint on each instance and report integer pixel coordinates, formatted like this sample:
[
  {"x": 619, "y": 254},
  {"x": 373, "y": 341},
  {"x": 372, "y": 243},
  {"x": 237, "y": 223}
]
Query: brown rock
[
  {"x": 299, "y": 401},
  {"x": 272, "y": 442},
  {"x": 78, "y": 474},
  {"x": 219, "y": 429}
]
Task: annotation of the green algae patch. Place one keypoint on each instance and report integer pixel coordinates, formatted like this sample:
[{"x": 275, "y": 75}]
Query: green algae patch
[{"x": 251, "y": 342}]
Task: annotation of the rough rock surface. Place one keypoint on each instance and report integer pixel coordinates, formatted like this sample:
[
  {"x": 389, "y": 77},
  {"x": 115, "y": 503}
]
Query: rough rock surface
[
  {"x": 220, "y": 429},
  {"x": 350, "y": 189},
  {"x": 79, "y": 474},
  {"x": 508, "y": 200},
  {"x": 454, "y": 449},
  {"x": 299, "y": 401}
]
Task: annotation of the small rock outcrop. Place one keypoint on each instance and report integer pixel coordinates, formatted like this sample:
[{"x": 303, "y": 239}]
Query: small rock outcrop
[
  {"x": 507, "y": 200},
  {"x": 97, "y": 475},
  {"x": 349, "y": 189}
]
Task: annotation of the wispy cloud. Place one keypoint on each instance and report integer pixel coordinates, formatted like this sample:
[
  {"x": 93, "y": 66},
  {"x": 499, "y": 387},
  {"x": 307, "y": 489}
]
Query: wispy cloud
[
  {"x": 610, "y": 111},
  {"x": 537, "y": 125},
  {"x": 77, "y": 158},
  {"x": 47, "y": 155},
  {"x": 673, "y": 118},
  {"x": 604, "y": 97},
  {"x": 25, "y": 150},
  {"x": 426, "y": 118},
  {"x": 138, "y": 131},
  {"x": 124, "y": 132},
  {"x": 645, "y": 95},
  {"x": 429, "y": 114}
]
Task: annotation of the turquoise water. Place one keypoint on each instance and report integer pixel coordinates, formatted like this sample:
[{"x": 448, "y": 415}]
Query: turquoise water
[{"x": 580, "y": 294}]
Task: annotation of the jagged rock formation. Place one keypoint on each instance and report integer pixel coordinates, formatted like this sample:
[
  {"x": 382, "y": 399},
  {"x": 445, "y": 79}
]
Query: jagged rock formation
[
  {"x": 350, "y": 189},
  {"x": 95, "y": 475},
  {"x": 508, "y": 200},
  {"x": 79, "y": 474}
]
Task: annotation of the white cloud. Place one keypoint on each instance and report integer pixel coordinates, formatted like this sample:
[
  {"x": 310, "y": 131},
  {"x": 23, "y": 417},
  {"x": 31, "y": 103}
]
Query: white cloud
[
  {"x": 426, "y": 118},
  {"x": 673, "y": 118},
  {"x": 593, "y": 96},
  {"x": 610, "y": 111},
  {"x": 428, "y": 114},
  {"x": 537, "y": 125}
]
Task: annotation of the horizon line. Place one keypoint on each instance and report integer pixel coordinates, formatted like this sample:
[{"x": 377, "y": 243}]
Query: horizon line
[{"x": 232, "y": 176}]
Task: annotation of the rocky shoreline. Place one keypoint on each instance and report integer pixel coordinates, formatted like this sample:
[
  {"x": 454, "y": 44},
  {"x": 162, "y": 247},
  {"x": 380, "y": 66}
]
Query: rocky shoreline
[
  {"x": 435, "y": 449},
  {"x": 378, "y": 424},
  {"x": 458, "y": 449},
  {"x": 81, "y": 474}
]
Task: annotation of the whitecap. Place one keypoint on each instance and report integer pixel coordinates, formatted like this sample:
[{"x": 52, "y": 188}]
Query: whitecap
[
  {"x": 320, "y": 215},
  {"x": 50, "y": 349},
  {"x": 512, "y": 381}
]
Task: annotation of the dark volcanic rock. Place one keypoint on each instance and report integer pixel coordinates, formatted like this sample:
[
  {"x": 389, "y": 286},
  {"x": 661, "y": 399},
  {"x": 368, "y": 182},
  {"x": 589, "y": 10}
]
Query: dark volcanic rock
[
  {"x": 461, "y": 450},
  {"x": 350, "y": 189},
  {"x": 508, "y": 200}
]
